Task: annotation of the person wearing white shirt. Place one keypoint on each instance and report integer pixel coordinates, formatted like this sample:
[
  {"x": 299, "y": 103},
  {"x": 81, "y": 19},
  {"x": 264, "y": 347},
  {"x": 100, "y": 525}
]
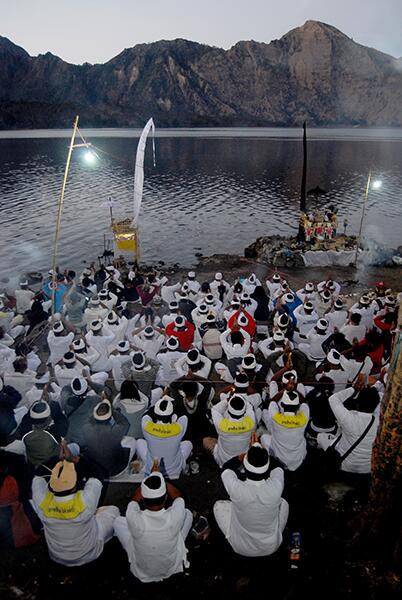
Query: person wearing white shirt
[
  {"x": 194, "y": 362},
  {"x": 248, "y": 303},
  {"x": 168, "y": 292},
  {"x": 234, "y": 422},
  {"x": 353, "y": 422},
  {"x": 170, "y": 317},
  {"x": 366, "y": 310},
  {"x": 354, "y": 328},
  {"x": 108, "y": 299},
  {"x": 154, "y": 537},
  {"x": 273, "y": 344},
  {"x": 231, "y": 309},
  {"x": 251, "y": 283},
  {"x": 117, "y": 325},
  {"x": 149, "y": 341},
  {"x": 307, "y": 294},
  {"x": 331, "y": 286},
  {"x": 333, "y": 368},
  {"x": 212, "y": 303},
  {"x": 192, "y": 282},
  {"x": 163, "y": 433},
  {"x": 254, "y": 518},
  {"x": 21, "y": 379},
  {"x": 100, "y": 338},
  {"x": 314, "y": 340},
  {"x": 75, "y": 529},
  {"x": 23, "y": 298},
  {"x": 167, "y": 360},
  {"x": 273, "y": 285},
  {"x": 199, "y": 315},
  {"x": 235, "y": 344},
  {"x": 71, "y": 368},
  {"x": 95, "y": 310},
  {"x": 358, "y": 363},
  {"x": 58, "y": 343},
  {"x": 217, "y": 283},
  {"x": 117, "y": 359},
  {"x": 286, "y": 421},
  {"x": 306, "y": 319},
  {"x": 337, "y": 316}
]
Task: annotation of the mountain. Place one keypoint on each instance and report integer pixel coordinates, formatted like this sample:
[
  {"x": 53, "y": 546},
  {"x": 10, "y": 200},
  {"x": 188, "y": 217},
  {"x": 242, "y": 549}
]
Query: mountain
[{"x": 314, "y": 72}]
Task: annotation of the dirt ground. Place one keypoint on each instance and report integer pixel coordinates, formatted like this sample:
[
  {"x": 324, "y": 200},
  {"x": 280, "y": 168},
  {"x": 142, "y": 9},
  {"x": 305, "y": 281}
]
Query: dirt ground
[{"x": 330, "y": 566}]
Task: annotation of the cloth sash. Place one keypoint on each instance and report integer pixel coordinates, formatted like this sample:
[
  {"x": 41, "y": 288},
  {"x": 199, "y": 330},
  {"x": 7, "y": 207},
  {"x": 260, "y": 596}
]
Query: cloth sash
[{"x": 64, "y": 510}]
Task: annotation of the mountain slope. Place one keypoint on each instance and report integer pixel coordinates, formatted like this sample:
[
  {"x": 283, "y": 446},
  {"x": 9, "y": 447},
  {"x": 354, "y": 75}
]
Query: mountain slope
[{"x": 314, "y": 72}]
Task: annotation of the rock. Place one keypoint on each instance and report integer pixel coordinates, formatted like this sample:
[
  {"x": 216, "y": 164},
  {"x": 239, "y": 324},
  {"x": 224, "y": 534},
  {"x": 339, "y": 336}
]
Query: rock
[{"x": 314, "y": 73}]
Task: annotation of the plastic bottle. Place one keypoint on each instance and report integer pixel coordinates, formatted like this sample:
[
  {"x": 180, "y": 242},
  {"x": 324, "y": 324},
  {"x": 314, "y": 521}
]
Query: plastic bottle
[{"x": 295, "y": 550}]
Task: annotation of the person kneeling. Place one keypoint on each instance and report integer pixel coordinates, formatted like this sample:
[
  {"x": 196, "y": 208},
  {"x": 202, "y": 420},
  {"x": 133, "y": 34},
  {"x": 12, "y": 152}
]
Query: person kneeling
[
  {"x": 75, "y": 529},
  {"x": 255, "y": 517},
  {"x": 154, "y": 537}
]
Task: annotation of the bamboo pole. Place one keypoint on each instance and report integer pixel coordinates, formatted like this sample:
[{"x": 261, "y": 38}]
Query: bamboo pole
[
  {"x": 59, "y": 211},
  {"x": 363, "y": 215}
]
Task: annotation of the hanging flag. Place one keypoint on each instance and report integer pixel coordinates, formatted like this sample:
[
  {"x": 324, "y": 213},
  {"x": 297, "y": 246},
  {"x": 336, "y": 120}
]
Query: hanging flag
[{"x": 139, "y": 168}]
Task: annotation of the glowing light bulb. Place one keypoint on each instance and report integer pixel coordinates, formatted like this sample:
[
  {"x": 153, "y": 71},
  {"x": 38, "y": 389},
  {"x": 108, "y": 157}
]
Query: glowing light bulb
[
  {"x": 89, "y": 157},
  {"x": 377, "y": 183}
]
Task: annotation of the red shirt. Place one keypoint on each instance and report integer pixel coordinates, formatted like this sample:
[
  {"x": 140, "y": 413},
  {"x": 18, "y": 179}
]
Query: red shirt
[
  {"x": 185, "y": 337},
  {"x": 250, "y": 327}
]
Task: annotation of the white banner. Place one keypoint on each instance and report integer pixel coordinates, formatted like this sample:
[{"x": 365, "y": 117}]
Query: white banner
[{"x": 139, "y": 168}]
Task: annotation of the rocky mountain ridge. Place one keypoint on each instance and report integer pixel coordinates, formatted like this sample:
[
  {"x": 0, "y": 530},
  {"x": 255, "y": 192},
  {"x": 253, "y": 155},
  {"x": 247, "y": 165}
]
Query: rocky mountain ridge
[{"x": 314, "y": 72}]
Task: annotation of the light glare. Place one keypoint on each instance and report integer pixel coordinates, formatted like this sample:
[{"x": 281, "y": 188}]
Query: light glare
[
  {"x": 89, "y": 157},
  {"x": 377, "y": 184}
]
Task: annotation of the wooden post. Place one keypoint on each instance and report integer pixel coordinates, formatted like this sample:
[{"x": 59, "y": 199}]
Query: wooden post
[
  {"x": 303, "y": 194},
  {"x": 59, "y": 211}
]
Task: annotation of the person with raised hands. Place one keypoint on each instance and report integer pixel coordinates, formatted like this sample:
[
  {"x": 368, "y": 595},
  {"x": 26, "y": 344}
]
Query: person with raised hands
[
  {"x": 254, "y": 518},
  {"x": 152, "y": 532}
]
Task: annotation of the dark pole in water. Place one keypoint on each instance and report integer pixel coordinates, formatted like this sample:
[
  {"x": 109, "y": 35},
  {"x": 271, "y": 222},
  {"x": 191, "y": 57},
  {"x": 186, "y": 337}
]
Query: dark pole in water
[
  {"x": 304, "y": 175},
  {"x": 301, "y": 236}
]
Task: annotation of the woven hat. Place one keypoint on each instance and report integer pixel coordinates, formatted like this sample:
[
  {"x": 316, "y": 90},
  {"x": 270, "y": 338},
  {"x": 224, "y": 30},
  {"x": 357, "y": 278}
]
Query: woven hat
[
  {"x": 69, "y": 358},
  {"x": 256, "y": 460},
  {"x": 249, "y": 362},
  {"x": 79, "y": 386},
  {"x": 164, "y": 407},
  {"x": 288, "y": 298},
  {"x": 58, "y": 327},
  {"x": 334, "y": 357},
  {"x": 288, "y": 375},
  {"x": 241, "y": 381},
  {"x": 203, "y": 309},
  {"x": 193, "y": 356},
  {"x": 63, "y": 477},
  {"x": 283, "y": 321},
  {"x": 172, "y": 343},
  {"x": 138, "y": 359},
  {"x": 39, "y": 411},
  {"x": 278, "y": 336},
  {"x": 112, "y": 318},
  {"x": 123, "y": 346},
  {"x": 96, "y": 325},
  {"x": 153, "y": 486},
  {"x": 180, "y": 321},
  {"x": 237, "y": 405},
  {"x": 242, "y": 320},
  {"x": 322, "y": 324},
  {"x": 105, "y": 404}
]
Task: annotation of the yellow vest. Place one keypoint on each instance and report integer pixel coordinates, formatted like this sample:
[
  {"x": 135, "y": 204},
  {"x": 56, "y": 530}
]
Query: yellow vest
[
  {"x": 241, "y": 426},
  {"x": 162, "y": 430},
  {"x": 66, "y": 510},
  {"x": 290, "y": 421}
]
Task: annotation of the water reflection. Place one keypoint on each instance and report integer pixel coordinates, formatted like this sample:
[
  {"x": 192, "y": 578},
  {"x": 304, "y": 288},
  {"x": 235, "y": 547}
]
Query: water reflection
[{"x": 208, "y": 195}]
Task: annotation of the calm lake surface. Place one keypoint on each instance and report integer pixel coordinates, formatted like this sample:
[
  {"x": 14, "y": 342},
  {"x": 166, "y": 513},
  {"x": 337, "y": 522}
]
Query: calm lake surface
[{"x": 212, "y": 190}]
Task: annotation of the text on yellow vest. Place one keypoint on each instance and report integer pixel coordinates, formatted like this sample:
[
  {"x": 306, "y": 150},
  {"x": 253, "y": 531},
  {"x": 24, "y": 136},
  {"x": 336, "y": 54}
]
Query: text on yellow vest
[
  {"x": 290, "y": 421},
  {"x": 239, "y": 426},
  {"x": 67, "y": 509},
  {"x": 163, "y": 429}
]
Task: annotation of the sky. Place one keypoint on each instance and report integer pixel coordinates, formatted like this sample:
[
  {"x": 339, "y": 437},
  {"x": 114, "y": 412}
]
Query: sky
[{"x": 97, "y": 30}]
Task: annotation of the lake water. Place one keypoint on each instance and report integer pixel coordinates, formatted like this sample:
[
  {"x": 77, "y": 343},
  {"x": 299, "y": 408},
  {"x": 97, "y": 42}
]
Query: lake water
[{"x": 212, "y": 190}]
